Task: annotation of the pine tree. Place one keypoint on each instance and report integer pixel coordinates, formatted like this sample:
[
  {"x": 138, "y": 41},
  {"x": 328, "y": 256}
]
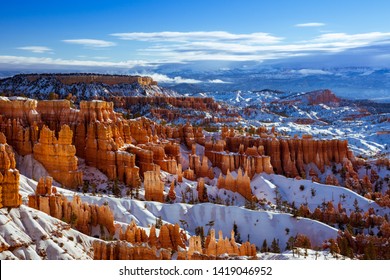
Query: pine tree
[
  {"x": 275, "y": 246},
  {"x": 237, "y": 235},
  {"x": 264, "y": 248}
]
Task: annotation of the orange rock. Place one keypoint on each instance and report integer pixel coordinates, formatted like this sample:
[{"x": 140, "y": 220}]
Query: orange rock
[
  {"x": 154, "y": 187},
  {"x": 9, "y": 176},
  {"x": 172, "y": 193},
  {"x": 202, "y": 192},
  {"x": 58, "y": 156}
]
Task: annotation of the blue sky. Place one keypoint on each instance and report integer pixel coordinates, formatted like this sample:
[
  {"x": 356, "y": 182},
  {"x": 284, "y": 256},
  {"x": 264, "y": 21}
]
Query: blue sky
[{"x": 125, "y": 34}]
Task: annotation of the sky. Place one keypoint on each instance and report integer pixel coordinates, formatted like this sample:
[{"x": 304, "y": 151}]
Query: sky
[{"x": 61, "y": 35}]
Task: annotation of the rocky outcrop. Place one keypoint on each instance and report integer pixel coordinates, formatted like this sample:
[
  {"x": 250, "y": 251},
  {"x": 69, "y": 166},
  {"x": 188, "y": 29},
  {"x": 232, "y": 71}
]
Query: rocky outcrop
[
  {"x": 22, "y": 109},
  {"x": 80, "y": 215},
  {"x": 202, "y": 191},
  {"x": 122, "y": 250},
  {"x": 322, "y": 97},
  {"x": 226, "y": 246},
  {"x": 240, "y": 184},
  {"x": 288, "y": 156},
  {"x": 9, "y": 176},
  {"x": 154, "y": 187},
  {"x": 251, "y": 160},
  {"x": 136, "y": 245},
  {"x": 58, "y": 156}
]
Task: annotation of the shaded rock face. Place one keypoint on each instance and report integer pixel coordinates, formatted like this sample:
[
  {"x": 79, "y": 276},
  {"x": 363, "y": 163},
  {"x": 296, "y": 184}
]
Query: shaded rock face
[{"x": 9, "y": 176}]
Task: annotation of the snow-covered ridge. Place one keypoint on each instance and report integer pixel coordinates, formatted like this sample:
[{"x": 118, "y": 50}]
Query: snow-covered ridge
[{"x": 44, "y": 86}]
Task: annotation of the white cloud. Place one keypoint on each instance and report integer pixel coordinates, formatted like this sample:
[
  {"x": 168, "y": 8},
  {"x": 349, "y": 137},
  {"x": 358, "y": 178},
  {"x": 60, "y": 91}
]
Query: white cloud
[
  {"x": 310, "y": 24},
  {"x": 217, "y": 81},
  {"x": 183, "y": 47},
  {"x": 249, "y": 50},
  {"x": 35, "y": 49},
  {"x": 361, "y": 38},
  {"x": 47, "y": 61},
  {"x": 307, "y": 72},
  {"x": 90, "y": 43},
  {"x": 165, "y": 79},
  {"x": 264, "y": 38}
]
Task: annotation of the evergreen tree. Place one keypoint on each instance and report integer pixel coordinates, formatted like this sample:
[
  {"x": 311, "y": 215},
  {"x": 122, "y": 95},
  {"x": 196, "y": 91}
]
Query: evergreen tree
[
  {"x": 275, "y": 246},
  {"x": 264, "y": 247},
  {"x": 237, "y": 235}
]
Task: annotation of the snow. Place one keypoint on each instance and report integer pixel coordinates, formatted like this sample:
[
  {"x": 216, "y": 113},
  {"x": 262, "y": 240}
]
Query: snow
[{"x": 31, "y": 234}]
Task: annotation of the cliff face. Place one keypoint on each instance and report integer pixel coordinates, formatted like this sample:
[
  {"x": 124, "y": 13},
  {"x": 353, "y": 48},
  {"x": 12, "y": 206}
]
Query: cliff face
[
  {"x": 250, "y": 159},
  {"x": 9, "y": 176},
  {"x": 58, "y": 156},
  {"x": 287, "y": 156},
  {"x": 19, "y": 108},
  {"x": 153, "y": 185}
]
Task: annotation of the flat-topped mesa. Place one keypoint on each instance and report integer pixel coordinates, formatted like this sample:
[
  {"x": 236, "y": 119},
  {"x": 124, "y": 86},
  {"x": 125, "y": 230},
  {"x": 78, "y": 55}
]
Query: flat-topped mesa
[
  {"x": 154, "y": 187},
  {"x": 23, "y": 109},
  {"x": 69, "y": 79},
  {"x": 58, "y": 156},
  {"x": 9, "y": 176}
]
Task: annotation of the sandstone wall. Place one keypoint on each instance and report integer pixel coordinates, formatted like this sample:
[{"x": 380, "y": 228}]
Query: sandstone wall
[
  {"x": 9, "y": 176},
  {"x": 58, "y": 156}
]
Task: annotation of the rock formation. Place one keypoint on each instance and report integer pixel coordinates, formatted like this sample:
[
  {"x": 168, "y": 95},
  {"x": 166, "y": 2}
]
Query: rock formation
[
  {"x": 80, "y": 215},
  {"x": 202, "y": 191},
  {"x": 250, "y": 159},
  {"x": 136, "y": 245},
  {"x": 154, "y": 187},
  {"x": 58, "y": 156},
  {"x": 9, "y": 176},
  {"x": 241, "y": 184}
]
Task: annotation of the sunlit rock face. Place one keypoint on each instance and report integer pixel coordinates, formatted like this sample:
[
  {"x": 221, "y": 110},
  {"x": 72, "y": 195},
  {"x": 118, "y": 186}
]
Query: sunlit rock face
[
  {"x": 9, "y": 176},
  {"x": 58, "y": 156}
]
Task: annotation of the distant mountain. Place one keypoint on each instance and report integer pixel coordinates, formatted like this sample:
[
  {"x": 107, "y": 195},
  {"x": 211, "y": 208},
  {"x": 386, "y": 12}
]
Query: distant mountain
[
  {"x": 349, "y": 82},
  {"x": 81, "y": 86}
]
